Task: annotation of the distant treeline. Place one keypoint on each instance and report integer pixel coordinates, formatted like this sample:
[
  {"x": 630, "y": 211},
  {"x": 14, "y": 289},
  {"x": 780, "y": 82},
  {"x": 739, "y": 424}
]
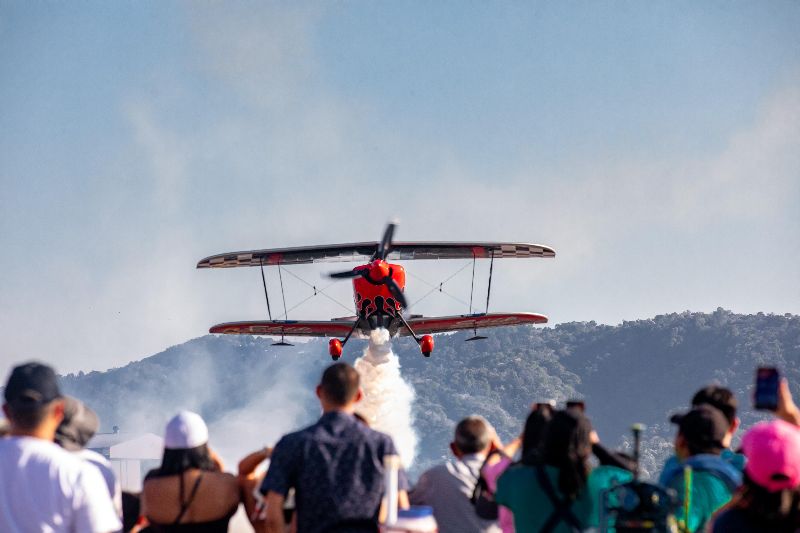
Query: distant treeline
[{"x": 639, "y": 371}]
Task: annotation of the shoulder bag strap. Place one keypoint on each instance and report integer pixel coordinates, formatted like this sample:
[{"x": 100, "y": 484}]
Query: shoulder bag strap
[{"x": 480, "y": 482}]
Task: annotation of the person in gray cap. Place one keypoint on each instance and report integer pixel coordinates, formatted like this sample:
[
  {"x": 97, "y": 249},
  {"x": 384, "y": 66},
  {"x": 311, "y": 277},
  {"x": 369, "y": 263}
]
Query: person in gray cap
[
  {"x": 42, "y": 486},
  {"x": 79, "y": 425}
]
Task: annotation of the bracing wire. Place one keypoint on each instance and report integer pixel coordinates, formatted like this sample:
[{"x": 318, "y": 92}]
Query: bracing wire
[
  {"x": 318, "y": 291},
  {"x": 283, "y": 295},
  {"x": 307, "y": 298},
  {"x": 438, "y": 287}
]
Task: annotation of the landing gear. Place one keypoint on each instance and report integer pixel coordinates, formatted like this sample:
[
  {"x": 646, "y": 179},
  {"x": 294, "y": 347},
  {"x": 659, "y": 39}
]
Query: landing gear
[
  {"x": 425, "y": 342},
  {"x": 426, "y": 345},
  {"x": 335, "y": 346},
  {"x": 335, "y": 349}
]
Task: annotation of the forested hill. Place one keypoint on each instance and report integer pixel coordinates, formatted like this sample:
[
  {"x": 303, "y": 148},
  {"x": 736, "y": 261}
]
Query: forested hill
[{"x": 639, "y": 371}]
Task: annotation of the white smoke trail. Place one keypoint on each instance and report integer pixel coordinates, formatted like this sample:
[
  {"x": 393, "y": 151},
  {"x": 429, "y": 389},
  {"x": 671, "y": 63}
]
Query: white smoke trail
[{"x": 387, "y": 397}]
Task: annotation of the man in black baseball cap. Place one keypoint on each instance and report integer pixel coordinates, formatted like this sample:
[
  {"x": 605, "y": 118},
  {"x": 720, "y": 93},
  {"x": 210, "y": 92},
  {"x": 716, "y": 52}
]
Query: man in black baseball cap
[
  {"x": 31, "y": 395},
  {"x": 701, "y": 430},
  {"x": 698, "y": 446},
  {"x": 723, "y": 399},
  {"x": 42, "y": 486}
]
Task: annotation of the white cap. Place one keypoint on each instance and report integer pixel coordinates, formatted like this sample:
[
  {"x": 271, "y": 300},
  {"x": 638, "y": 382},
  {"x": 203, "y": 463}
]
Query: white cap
[{"x": 185, "y": 430}]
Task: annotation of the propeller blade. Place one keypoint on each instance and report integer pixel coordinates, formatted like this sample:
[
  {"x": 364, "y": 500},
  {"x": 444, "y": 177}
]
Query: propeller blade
[
  {"x": 347, "y": 274},
  {"x": 386, "y": 243},
  {"x": 394, "y": 288}
]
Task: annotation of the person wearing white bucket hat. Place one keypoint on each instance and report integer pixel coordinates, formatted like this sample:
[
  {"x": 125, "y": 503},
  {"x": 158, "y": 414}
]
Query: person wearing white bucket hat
[{"x": 189, "y": 492}]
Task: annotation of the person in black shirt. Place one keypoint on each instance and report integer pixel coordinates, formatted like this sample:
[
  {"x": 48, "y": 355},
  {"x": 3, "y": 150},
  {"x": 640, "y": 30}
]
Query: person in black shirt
[{"x": 335, "y": 465}]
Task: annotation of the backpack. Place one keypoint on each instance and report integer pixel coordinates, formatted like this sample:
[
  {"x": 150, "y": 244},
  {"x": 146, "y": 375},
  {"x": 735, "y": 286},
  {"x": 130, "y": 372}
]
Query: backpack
[
  {"x": 639, "y": 506},
  {"x": 708, "y": 466}
]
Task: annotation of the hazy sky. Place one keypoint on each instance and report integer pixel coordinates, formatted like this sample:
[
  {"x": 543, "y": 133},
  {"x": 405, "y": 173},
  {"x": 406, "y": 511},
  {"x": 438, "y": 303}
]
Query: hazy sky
[{"x": 654, "y": 145}]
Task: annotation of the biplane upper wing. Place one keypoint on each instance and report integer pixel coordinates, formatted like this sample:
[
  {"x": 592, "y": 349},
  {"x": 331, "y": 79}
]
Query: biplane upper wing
[
  {"x": 292, "y": 328},
  {"x": 363, "y": 251},
  {"x": 467, "y": 250},
  {"x": 425, "y": 325}
]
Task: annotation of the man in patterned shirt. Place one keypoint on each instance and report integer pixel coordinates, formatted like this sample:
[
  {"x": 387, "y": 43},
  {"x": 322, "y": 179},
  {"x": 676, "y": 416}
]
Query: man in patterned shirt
[{"x": 335, "y": 465}]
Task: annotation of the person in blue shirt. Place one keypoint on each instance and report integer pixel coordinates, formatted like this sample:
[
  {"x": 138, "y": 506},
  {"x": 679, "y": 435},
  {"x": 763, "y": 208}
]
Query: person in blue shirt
[
  {"x": 723, "y": 399},
  {"x": 703, "y": 479},
  {"x": 334, "y": 465}
]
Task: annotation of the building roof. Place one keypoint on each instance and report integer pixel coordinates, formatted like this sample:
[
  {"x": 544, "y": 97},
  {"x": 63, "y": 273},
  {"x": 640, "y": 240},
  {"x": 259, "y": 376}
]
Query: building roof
[{"x": 129, "y": 445}]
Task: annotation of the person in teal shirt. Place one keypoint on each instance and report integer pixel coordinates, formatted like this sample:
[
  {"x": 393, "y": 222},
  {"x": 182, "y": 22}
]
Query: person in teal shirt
[
  {"x": 560, "y": 493},
  {"x": 702, "y": 477}
]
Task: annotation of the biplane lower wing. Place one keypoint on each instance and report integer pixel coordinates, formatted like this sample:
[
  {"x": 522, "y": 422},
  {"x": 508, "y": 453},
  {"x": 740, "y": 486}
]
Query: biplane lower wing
[
  {"x": 291, "y": 328},
  {"x": 425, "y": 325}
]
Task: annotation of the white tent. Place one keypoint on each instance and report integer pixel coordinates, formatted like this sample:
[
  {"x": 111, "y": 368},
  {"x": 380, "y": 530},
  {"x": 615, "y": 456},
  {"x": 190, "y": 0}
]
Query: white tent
[{"x": 130, "y": 455}]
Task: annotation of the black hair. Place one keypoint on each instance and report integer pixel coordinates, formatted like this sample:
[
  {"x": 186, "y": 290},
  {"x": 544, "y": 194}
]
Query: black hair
[
  {"x": 697, "y": 448},
  {"x": 28, "y": 418},
  {"x": 178, "y": 461},
  {"x": 472, "y": 435},
  {"x": 340, "y": 383},
  {"x": 533, "y": 434},
  {"x": 567, "y": 446},
  {"x": 131, "y": 507},
  {"x": 770, "y": 510},
  {"x": 719, "y": 397}
]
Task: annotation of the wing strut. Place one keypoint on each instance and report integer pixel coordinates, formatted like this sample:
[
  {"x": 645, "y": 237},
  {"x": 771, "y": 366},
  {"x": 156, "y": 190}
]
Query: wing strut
[
  {"x": 475, "y": 336},
  {"x": 285, "y": 313},
  {"x": 472, "y": 284},
  {"x": 266, "y": 295},
  {"x": 489, "y": 290}
]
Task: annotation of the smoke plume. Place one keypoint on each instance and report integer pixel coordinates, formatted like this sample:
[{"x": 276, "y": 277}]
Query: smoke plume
[{"x": 387, "y": 397}]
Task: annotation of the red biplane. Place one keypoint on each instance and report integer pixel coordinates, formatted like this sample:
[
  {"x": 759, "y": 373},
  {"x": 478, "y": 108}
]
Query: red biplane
[{"x": 378, "y": 289}]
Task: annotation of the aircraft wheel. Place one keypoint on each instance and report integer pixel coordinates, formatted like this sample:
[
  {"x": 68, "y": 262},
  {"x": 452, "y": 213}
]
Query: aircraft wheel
[
  {"x": 335, "y": 357},
  {"x": 426, "y": 345}
]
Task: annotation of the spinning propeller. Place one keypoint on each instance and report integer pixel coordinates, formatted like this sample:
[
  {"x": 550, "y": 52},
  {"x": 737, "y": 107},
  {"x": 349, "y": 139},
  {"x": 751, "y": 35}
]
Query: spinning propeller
[{"x": 378, "y": 272}]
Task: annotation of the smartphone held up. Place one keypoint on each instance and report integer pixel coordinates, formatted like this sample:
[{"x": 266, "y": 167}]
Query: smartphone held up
[{"x": 766, "y": 393}]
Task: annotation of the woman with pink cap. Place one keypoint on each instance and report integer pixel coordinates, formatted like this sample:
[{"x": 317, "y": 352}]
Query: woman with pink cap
[
  {"x": 769, "y": 498},
  {"x": 189, "y": 492}
]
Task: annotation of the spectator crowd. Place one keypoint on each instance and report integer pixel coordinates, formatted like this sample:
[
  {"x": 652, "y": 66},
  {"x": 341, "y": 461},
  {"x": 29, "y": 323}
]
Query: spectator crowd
[{"x": 331, "y": 477}]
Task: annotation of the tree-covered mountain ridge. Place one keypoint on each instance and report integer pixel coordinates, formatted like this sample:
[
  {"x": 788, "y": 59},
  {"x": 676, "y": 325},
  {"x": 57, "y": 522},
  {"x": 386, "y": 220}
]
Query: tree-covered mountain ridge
[{"x": 638, "y": 371}]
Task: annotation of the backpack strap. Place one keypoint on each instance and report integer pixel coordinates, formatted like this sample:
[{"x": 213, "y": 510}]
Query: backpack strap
[
  {"x": 186, "y": 504},
  {"x": 562, "y": 511},
  {"x": 723, "y": 471}
]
